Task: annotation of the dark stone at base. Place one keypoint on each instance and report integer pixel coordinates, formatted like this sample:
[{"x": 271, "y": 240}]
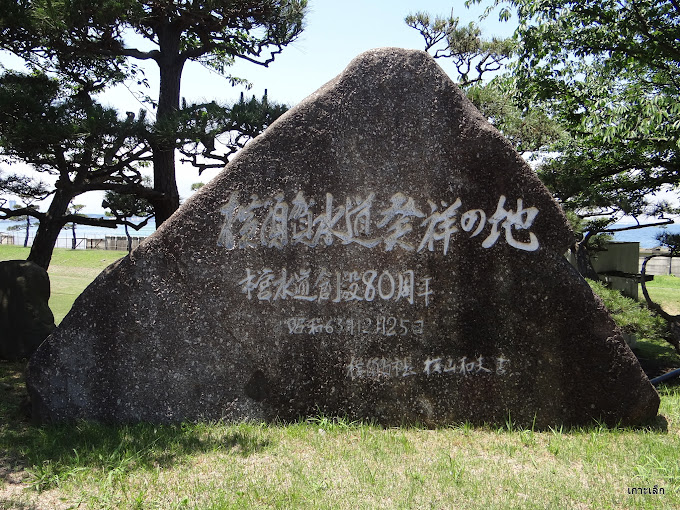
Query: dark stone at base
[
  {"x": 25, "y": 317},
  {"x": 380, "y": 252}
]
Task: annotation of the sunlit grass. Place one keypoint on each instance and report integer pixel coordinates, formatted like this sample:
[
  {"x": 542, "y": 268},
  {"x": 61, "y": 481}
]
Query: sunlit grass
[
  {"x": 665, "y": 290},
  {"x": 325, "y": 462},
  {"x": 70, "y": 272}
]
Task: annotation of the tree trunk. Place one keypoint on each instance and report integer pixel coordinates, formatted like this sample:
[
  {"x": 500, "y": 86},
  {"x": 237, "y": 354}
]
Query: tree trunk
[
  {"x": 28, "y": 230},
  {"x": 170, "y": 65},
  {"x": 73, "y": 231},
  {"x": 129, "y": 239},
  {"x": 164, "y": 181},
  {"x": 673, "y": 320},
  {"x": 583, "y": 263},
  {"x": 49, "y": 229}
]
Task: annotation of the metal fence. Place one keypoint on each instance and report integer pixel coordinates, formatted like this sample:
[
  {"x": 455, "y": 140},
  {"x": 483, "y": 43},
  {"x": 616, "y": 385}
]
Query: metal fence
[{"x": 80, "y": 243}]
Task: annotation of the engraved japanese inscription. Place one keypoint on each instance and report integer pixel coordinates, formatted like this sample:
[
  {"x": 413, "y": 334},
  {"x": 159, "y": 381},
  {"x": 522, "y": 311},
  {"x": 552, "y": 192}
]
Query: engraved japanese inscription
[
  {"x": 400, "y": 224},
  {"x": 397, "y": 223}
]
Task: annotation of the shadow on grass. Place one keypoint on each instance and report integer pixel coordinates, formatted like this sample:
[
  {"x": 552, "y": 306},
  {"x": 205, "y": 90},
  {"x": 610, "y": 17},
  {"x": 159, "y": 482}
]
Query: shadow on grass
[
  {"x": 54, "y": 452},
  {"x": 656, "y": 355},
  {"x": 7, "y": 503},
  {"x": 51, "y": 454}
]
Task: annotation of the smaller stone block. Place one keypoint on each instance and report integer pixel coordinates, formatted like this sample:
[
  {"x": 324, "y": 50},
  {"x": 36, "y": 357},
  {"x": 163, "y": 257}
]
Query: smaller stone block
[{"x": 25, "y": 317}]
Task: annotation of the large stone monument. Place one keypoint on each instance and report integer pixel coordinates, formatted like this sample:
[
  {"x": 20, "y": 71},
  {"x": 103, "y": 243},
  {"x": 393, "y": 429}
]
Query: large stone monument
[{"x": 380, "y": 252}]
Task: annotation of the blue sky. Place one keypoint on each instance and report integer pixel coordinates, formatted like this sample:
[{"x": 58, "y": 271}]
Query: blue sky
[{"x": 335, "y": 33}]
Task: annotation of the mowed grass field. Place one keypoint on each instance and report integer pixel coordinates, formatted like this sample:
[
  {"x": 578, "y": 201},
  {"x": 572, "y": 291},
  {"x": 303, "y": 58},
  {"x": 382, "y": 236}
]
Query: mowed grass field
[
  {"x": 324, "y": 462},
  {"x": 666, "y": 291},
  {"x": 70, "y": 272}
]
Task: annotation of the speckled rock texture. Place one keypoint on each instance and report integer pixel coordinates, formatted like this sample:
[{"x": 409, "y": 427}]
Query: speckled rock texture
[
  {"x": 25, "y": 316},
  {"x": 380, "y": 252}
]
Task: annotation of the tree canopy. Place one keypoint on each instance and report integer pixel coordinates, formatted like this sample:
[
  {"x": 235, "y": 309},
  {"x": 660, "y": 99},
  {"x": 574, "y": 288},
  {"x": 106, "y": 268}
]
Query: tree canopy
[
  {"x": 608, "y": 73},
  {"x": 75, "y": 49},
  {"x": 481, "y": 71},
  {"x": 472, "y": 55},
  {"x": 212, "y": 133},
  {"x": 79, "y": 37},
  {"x": 63, "y": 132}
]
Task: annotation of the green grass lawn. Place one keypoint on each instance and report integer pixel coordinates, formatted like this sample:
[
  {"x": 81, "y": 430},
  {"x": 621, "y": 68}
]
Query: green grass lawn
[
  {"x": 666, "y": 291},
  {"x": 70, "y": 272},
  {"x": 322, "y": 463}
]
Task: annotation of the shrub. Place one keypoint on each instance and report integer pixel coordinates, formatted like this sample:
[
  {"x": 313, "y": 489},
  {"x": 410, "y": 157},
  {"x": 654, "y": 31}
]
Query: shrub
[{"x": 631, "y": 316}]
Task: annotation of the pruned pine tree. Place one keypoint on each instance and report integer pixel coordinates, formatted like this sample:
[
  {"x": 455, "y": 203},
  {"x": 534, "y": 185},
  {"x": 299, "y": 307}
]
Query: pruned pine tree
[
  {"x": 472, "y": 55},
  {"x": 96, "y": 37},
  {"x": 58, "y": 129}
]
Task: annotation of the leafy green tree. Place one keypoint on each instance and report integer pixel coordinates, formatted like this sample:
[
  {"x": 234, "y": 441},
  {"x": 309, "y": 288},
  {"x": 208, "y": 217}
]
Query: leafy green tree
[
  {"x": 603, "y": 75},
  {"x": 531, "y": 132},
  {"x": 97, "y": 37},
  {"x": 608, "y": 72},
  {"x": 481, "y": 71},
  {"x": 58, "y": 129},
  {"x": 124, "y": 206}
]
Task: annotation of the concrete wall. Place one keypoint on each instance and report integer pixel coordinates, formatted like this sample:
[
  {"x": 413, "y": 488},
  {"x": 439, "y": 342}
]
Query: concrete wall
[
  {"x": 120, "y": 242},
  {"x": 660, "y": 265},
  {"x": 617, "y": 258},
  {"x": 627, "y": 286},
  {"x": 113, "y": 243}
]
